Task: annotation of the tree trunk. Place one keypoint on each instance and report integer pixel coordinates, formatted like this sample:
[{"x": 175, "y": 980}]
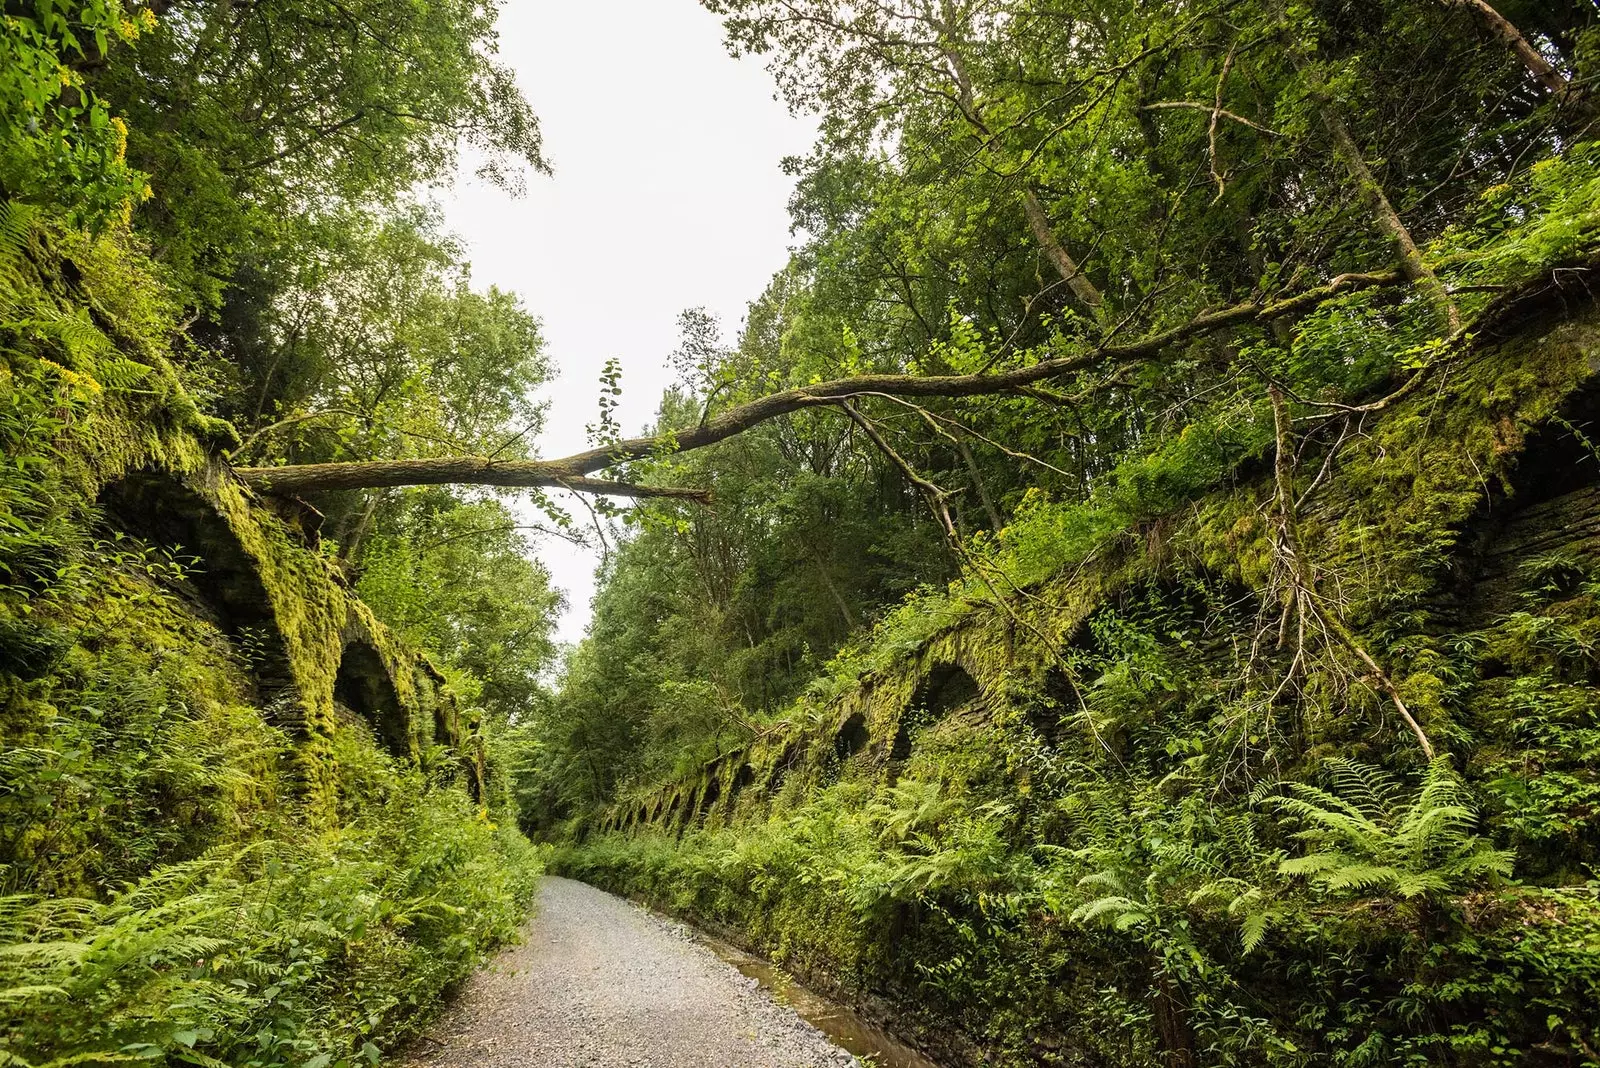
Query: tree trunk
[
  {"x": 1543, "y": 71},
  {"x": 572, "y": 472},
  {"x": 1066, "y": 266},
  {"x": 1383, "y": 214},
  {"x": 996, "y": 521}
]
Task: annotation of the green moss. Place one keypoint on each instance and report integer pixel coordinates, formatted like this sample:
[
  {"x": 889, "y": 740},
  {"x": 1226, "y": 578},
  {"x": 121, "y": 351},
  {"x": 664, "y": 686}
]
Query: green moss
[{"x": 173, "y": 789}]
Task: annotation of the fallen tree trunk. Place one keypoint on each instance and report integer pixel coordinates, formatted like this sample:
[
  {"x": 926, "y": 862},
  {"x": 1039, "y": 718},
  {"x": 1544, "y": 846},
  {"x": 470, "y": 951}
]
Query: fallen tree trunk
[{"x": 572, "y": 472}]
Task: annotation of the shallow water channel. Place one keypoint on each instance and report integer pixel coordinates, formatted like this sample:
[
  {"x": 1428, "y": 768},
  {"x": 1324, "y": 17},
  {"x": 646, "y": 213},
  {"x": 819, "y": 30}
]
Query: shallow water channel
[{"x": 847, "y": 1030}]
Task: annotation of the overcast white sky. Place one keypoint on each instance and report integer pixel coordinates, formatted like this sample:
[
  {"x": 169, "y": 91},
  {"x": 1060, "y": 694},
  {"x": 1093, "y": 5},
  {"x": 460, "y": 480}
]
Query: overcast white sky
[{"x": 667, "y": 195}]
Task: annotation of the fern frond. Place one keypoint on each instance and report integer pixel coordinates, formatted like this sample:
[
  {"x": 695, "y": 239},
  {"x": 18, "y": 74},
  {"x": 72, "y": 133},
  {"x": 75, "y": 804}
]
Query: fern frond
[
  {"x": 1343, "y": 821},
  {"x": 1122, "y": 913},
  {"x": 93, "y": 1057},
  {"x": 1428, "y": 832},
  {"x": 1371, "y": 791},
  {"x": 1107, "y": 880},
  {"x": 1254, "y": 931},
  {"x": 1361, "y": 877},
  {"x": 1312, "y": 864},
  {"x": 16, "y": 227},
  {"x": 47, "y": 954},
  {"x": 26, "y": 993}
]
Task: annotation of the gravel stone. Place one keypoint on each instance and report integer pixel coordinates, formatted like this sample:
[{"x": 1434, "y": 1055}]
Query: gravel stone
[{"x": 600, "y": 983}]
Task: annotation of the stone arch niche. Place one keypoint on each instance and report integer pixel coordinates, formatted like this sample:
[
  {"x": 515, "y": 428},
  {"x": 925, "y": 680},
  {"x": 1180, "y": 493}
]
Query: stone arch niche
[
  {"x": 851, "y": 737},
  {"x": 1550, "y": 512},
  {"x": 365, "y": 687},
  {"x": 1059, "y": 698},
  {"x": 946, "y": 689},
  {"x": 781, "y": 767},
  {"x": 222, "y": 581},
  {"x": 713, "y": 790},
  {"x": 743, "y": 777}
]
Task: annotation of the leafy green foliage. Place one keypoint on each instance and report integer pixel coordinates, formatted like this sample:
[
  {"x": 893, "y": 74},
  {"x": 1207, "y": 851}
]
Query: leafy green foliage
[
  {"x": 186, "y": 876},
  {"x": 298, "y": 950},
  {"x": 165, "y": 896},
  {"x": 261, "y": 125},
  {"x": 456, "y": 578},
  {"x": 1363, "y": 838},
  {"x": 1077, "y": 868},
  {"x": 60, "y": 143},
  {"x": 1183, "y": 156}
]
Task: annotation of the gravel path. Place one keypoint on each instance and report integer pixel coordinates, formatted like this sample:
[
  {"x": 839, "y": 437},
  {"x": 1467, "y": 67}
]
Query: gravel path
[{"x": 599, "y": 982}]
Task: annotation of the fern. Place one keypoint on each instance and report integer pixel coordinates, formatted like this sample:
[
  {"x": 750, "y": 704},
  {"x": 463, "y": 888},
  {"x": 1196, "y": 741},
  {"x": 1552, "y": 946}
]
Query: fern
[{"x": 1363, "y": 839}]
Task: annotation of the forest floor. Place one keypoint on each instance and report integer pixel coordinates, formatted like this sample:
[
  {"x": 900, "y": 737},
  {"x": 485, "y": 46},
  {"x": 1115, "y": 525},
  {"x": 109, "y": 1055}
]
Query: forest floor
[{"x": 602, "y": 983}]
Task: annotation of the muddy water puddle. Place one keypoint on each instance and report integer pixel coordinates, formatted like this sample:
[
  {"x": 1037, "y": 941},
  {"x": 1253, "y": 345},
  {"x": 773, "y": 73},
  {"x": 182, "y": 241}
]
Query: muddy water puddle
[{"x": 848, "y": 1030}]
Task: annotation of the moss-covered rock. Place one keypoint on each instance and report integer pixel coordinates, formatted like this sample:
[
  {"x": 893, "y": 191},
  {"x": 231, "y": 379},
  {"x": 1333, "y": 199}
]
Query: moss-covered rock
[{"x": 240, "y": 821}]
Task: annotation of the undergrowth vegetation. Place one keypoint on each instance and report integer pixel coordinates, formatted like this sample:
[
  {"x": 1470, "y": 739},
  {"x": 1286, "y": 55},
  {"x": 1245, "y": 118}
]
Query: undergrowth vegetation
[
  {"x": 1240, "y": 707},
  {"x": 1111, "y": 879},
  {"x": 194, "y": 869},
  {"x": 166, "y": 894},
  {"x": 296, "y": 949}
]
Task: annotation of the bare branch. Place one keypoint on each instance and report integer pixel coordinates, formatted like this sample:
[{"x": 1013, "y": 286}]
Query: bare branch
[
  {"x": 1065, "y": 265},
  {"x": 1223, "y": 112},
  {"x": 1302, "y": 580},
  {"x": 935, "y": 496},
  {"x": 566, "y": 536},
  {"x": 1540, "y": 68}
]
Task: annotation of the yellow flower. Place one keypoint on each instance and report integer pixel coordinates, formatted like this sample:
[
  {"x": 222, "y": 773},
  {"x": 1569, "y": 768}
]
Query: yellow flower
[{"x": 72, "y": 378}]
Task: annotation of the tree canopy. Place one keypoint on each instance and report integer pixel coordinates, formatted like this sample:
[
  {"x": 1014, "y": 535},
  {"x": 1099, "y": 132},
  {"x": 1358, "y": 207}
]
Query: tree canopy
[{"x": 1053, "y": 254}]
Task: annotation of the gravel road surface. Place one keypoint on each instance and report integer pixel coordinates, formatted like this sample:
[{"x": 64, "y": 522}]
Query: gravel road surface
[{"x": 601, "y": 983}]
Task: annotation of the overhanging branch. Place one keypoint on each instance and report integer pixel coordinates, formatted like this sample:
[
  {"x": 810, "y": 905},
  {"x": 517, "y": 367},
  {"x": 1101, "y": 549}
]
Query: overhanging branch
[
  {"x": 296, "y": 479},
  {"x": 571, "y": 472}
]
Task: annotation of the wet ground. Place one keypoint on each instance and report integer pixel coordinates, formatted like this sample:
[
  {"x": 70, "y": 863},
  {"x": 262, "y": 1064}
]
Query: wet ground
[{"x": 843, "y": 1026}]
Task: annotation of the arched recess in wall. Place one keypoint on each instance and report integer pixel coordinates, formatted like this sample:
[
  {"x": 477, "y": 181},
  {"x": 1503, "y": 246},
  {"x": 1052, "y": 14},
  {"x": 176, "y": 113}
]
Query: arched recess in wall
[
  {"x": 851, "y": 737},
  {"x": 1544, "y": 531},
  {"x": 713, "y": 790},
  {"x": 1059, "y": 700},
  {"x": 743, "y": 777},
  {"x": 782, "y": 766},
  {"x": 946, "y": 689},
  {"x": 365, "y": 687},
  {"x": 222, "y": 581}
]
